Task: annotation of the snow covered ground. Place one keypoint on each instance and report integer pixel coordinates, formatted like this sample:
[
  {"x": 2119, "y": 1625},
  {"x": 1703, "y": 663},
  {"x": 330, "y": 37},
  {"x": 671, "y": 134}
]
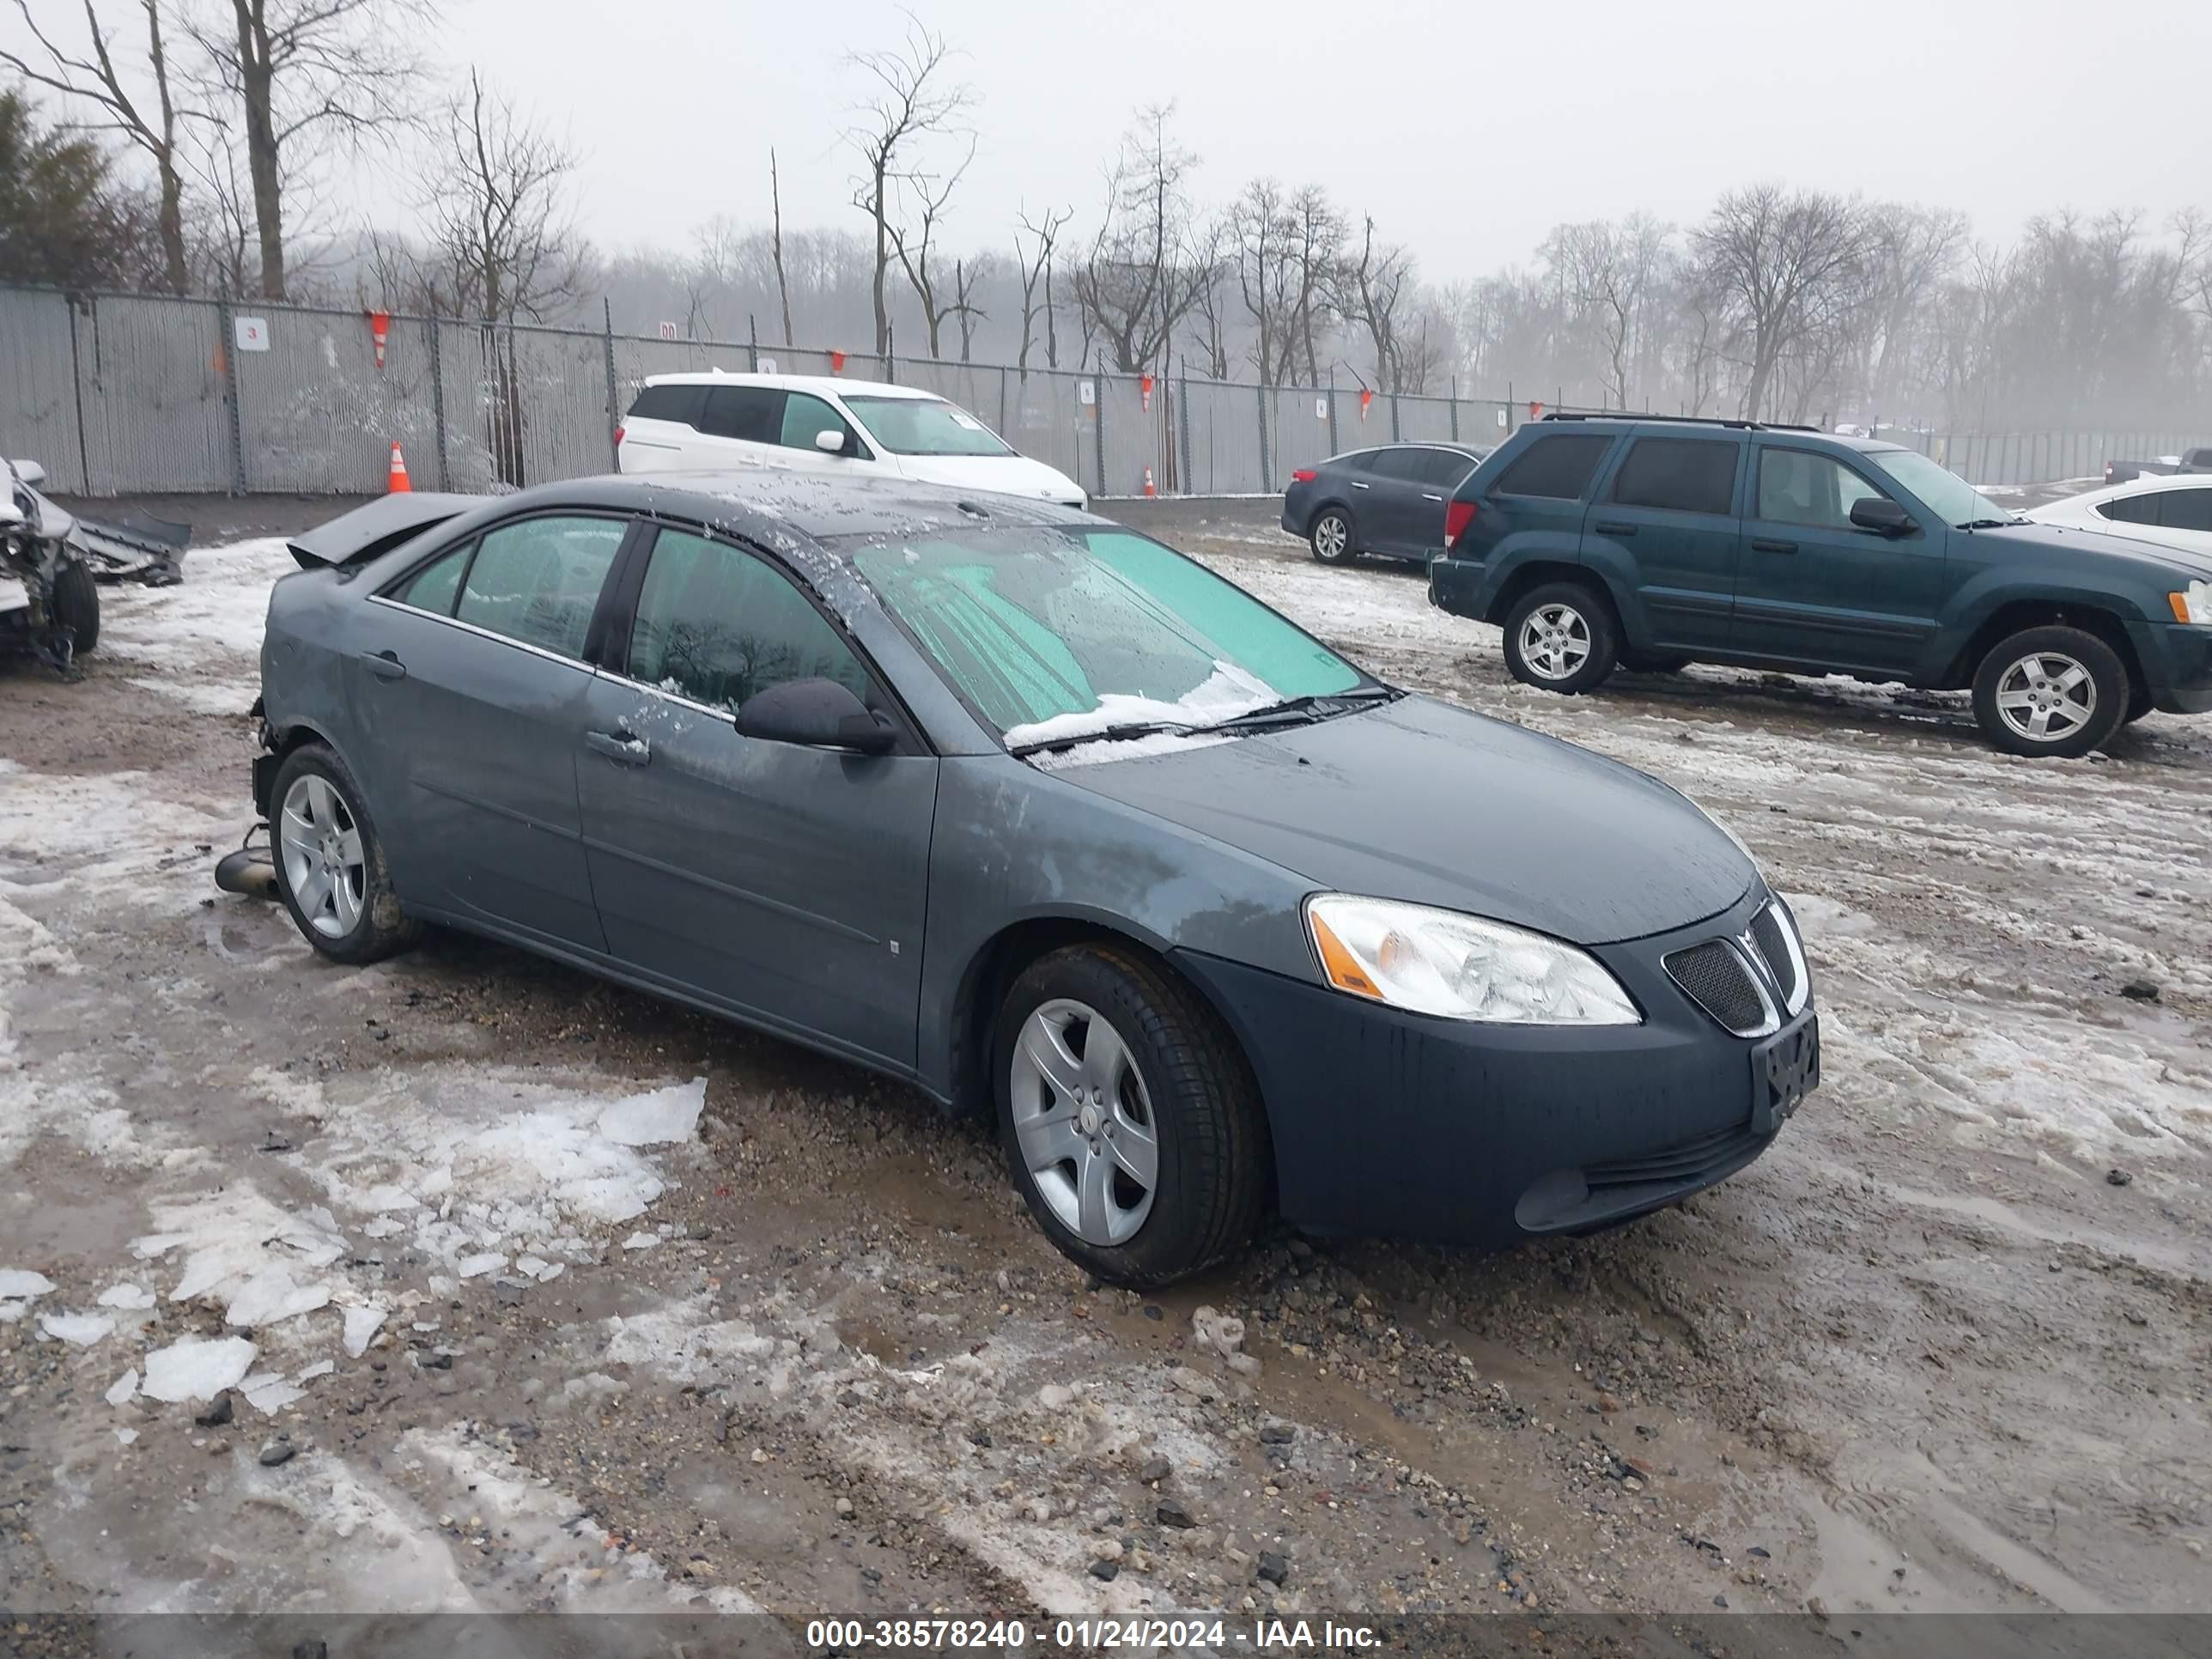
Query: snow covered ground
[{"x": 544, "y": 1296}]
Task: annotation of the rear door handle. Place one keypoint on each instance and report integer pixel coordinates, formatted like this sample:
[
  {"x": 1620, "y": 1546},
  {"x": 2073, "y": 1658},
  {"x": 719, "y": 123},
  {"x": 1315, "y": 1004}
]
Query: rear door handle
[
  {"x": 1774, "y": 547},
  {"x": 1356, "y": 484},
  {"x": 619, "y": 746},
  {"x": 385, "y": 665},
  {"x": 1616, "y": 530},
  {"x": 1427, "y": 497}
]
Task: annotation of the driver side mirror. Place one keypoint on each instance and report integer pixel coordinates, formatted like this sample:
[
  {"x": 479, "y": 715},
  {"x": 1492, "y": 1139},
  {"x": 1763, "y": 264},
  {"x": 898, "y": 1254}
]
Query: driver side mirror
[
  {"x": 1879, "y": 513},
  {"x": 829, "y": 442},
  {"x": 818, "y": 713}
]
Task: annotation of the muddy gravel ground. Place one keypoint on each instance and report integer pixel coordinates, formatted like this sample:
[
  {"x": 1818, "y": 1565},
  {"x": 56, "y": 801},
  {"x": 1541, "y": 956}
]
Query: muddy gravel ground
[{"x": 468, "y": 1282}]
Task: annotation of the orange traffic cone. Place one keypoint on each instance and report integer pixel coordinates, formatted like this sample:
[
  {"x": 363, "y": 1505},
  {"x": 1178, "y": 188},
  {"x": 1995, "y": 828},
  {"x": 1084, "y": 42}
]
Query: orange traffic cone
[
  {"x": 397, "y": 484},
  {"x": 1149, "y": 490}
]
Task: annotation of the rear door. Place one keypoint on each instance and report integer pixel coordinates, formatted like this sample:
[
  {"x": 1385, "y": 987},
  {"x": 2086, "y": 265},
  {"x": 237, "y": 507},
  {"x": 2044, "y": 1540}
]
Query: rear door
[
  {"x": 1669, "y": 511},
  {"x": 739, "y": 423},
  {"x": 782, "y": 883},
  {"x": 472, "y": 693},
  {"x": 1814, "y": 588}
]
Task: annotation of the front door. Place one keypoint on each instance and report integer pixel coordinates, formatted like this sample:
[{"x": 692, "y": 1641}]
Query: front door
[
  {"x": 784, "y": 883},
  {"x": 1669, "y": 513},
  {"x": 1815, "y": 588},
  {"x": 471, "y": 690},
  {"x": 1394, "y": 519}
]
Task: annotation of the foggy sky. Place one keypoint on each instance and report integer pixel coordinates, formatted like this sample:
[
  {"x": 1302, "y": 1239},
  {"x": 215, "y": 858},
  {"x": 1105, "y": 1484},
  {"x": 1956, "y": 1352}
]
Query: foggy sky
[{"x": 1468, "y": 129}]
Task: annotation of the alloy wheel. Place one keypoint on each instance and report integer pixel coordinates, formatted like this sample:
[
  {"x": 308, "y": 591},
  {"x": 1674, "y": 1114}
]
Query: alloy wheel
[
  {"x": 324, "y": 864},
  {"x": 1083, "y": 1121},
  {"x": 2046, "y": 696},
  {"x": 1555, "y": 640}
]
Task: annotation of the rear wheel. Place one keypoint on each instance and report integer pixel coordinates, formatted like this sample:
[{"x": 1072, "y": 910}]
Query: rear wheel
[
  {"x": 330, "y": 864},
  {"x": 76, "y": 605},
  {"x": 1132, "y": 1123},
  {"x": 1331, "y": 536},
  {"x": 2052, "y": 691},
  {"x": 1560, "y": 636}
]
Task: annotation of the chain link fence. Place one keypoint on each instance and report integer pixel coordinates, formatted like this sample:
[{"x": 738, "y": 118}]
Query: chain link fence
[{"x": 121, "y": 394}]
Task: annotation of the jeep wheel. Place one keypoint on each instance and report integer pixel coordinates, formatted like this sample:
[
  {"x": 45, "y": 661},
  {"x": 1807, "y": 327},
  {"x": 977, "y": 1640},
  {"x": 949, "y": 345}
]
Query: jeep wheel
[
  {"x": 1560, "y": 636},
  {"x": 1331, "y": 536},
  {"x": 2050, "y": 691}
]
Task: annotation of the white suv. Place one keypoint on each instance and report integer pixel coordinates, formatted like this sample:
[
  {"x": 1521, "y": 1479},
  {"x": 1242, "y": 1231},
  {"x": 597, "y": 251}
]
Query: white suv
[{"x": 827, "y": 427}]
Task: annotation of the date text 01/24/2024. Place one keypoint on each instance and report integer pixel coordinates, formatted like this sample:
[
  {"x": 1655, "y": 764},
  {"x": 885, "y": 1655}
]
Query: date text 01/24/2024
[{"x": 1095, "y": 1634}]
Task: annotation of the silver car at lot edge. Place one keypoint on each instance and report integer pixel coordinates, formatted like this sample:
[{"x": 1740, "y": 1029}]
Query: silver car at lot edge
[{"x": 1017, "y": 805}]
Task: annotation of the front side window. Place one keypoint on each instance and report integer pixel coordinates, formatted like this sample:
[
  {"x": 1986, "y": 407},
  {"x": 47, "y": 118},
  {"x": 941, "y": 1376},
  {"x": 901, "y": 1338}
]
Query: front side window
[
  {"x": 1798, "y": 487},
  {"x": 1946, "y": 495},
  {"x": 923, "y": 426},
  {"x": 719, "y": 625},
  {"x": 1685, "y": 474},
  {"x": 805, "y": 416},
  {"x": 1051, "y": 632},
  {"x": 538, "y": 581},
  {"x": 1559, "y": 465},
  {"x": 2132, "y": 509},
  {"x": 1402, "y": 464}
]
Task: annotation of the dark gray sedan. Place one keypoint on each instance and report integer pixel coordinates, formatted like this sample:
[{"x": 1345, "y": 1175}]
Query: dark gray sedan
[{"x": 1016, "y": 805}]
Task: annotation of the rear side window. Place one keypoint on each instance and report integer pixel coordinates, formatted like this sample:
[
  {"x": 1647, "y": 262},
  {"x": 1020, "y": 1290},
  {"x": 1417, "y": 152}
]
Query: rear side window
[
  {"x": 2132, "y": 509},
  {"x": 538, "y": 581},
  {"x": 679, "y": 404},
  {"x": 433, "y": 587},
  {"x": 2185, "y": 510},
  {"x": 1442, "y": 466},
  {"x": 754, "y": 413},
  {"x": 1686, "y": 474},
  {"x": 1558, "y": 465},
  {"x": 718, "y": 625}
]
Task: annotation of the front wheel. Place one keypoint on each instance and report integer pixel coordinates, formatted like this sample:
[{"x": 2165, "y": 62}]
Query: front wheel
[
  {"x": 2052, "y": 691},
  {"x": 1560, "y": 636},
  {"x": 330, "y": 864},
  {"x": 1331, "y": 536},
  {"x": 1131, "y": 1121},
  {"x": 76, "y": 605}
]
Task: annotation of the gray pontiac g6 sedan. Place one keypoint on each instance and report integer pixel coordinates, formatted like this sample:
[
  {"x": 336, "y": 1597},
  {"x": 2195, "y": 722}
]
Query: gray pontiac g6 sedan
[{"x": 1025, "y": 808}]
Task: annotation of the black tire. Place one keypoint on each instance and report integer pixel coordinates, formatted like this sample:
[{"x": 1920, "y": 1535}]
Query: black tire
[
  {"x": 1591, "y": 619},
  {"x": 381, "y": 928},
  {"x": 1214, "y": 1163},
  {"x": 2108, "y": 679},
  {"x": 1657, "y": 662},
  {"x": 76, "y": 605},
  {"x": 1345, "y": 546},
  {"x": 2139, "y": 704}
]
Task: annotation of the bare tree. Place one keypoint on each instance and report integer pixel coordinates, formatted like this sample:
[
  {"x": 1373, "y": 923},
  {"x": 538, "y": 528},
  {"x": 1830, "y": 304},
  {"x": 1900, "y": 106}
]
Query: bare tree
[
  {"x": 1316, "y": 242},
  {"x": 1776, "y": 257},
  {"x": 1137, "y": 282},
  {"x": 776, "y": 205},
  {"x": 911, "y": 97},
  {"x": 149, "y": 123},
  {"x": 915, "y": 242},
  {"x": 1033, "y": 267},
  {"x": 1371, "y": 290},
  {"x": 969, "y": 276},
  {"x": 1608, "y": 271},
  {"x": 302, "y": 72},
  {"x": 501, "y": 222},
  {"x": 1212, "y": 256},
  {"x": 1266, "y": 244}
]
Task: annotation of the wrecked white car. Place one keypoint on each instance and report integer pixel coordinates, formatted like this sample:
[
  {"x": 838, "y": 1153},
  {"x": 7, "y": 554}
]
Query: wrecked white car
[{"x": 51, "y": 562}]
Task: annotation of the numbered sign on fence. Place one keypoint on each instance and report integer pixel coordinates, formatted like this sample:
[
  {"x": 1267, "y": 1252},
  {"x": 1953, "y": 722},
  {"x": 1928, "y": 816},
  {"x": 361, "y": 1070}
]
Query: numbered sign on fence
[{"x": 252, "y": 333}]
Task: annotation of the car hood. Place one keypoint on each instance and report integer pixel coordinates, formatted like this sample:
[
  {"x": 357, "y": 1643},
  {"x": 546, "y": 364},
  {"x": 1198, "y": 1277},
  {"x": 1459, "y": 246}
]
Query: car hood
[
  {"x": 1003, "y": 475},
  {"x": 1422, "y": 801},
  {"x": 2106, "y": 544}
]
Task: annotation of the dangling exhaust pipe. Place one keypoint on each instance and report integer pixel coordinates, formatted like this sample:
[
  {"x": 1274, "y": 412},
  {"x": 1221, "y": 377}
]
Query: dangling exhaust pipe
[{"x": 251, "y": 872}]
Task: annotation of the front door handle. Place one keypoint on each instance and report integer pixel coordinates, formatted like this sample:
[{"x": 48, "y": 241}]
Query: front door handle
[
  {"x": 1774, "y": 547},
  {"x": 621, "y": 746},
  {"x": 1616, "y": 530},
  {"x": 385, "y": 665}
]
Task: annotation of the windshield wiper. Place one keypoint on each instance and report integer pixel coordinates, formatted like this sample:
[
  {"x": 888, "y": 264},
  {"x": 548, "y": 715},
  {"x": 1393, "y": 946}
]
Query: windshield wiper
[
  {"x": 1319, "y": 707},
  {"x": 1102, "y": 734},
  {"x": 1989, "y": 524}
]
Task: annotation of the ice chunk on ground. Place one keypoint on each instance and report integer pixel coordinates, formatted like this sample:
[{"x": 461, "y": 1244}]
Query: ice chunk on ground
[
  {"x": 21, "y": 1281},
  {"x": 132, "y": 1297},
  {"x": 530, "y": 1266},
  {"x": 360, "y": 1326},
  {"x": 126, "y": 1436},
  {"x": 641, "y": 1240},
  {"x": 125, "y": 1388},
  {"x": 651, "y": 1119},
  {"x": 476, "y": 1266},
  {"x": 197, "y": 1368},
  {"x": 82, "y": 1329},
  {"x": 269, "y": 1393},
  {"x": 321, "y": 1368},
  {"x": 383, "y": 1227},
  {"x": 271, "y": 1295},
  {"x": 12, "y": 1311}
]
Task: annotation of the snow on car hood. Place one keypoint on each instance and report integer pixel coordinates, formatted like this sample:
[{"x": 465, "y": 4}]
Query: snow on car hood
[
  {"x": 1421, "y": 801},
  {"x": 1003, "y": 475}
]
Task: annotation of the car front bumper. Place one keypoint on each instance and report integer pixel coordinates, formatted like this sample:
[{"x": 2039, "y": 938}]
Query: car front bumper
[
  {"x": 2177, "y": 664},
  {"x": 1386, "y": 1123}
]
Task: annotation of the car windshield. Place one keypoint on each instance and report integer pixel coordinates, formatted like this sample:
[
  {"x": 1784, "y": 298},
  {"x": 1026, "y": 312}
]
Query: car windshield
[
  {"x": 923, "y": 426},
  {"x": 1059, "y": 634},
  {"x": 1947, "y": 494}
]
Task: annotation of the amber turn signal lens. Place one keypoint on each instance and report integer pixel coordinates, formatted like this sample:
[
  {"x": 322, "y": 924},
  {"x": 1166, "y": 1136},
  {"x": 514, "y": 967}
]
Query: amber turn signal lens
[{"x": 1344, "y": 972}]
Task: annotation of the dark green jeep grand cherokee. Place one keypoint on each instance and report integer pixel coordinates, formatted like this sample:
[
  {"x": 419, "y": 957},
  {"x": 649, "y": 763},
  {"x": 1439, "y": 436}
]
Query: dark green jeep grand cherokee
[{"x": 1651, "y": 543}]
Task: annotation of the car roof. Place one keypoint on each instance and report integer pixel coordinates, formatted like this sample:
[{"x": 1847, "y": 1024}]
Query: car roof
[
  {"x": 836, "y": 386},
  {"x": 1471, "y": 451},
  {"x": 770, "y": 505},
  {"x": 2151, "y": 483}
]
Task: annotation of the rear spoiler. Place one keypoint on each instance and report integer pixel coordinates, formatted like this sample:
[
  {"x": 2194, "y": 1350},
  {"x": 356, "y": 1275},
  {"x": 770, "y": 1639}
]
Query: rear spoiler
[{"x": 357, "y": 537}]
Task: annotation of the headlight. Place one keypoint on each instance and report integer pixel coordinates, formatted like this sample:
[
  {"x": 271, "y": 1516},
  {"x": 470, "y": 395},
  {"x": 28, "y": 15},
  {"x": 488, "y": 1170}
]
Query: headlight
[
  {"x": 2193, "y": 603},
  {"x": 1438, "y": 961}
]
